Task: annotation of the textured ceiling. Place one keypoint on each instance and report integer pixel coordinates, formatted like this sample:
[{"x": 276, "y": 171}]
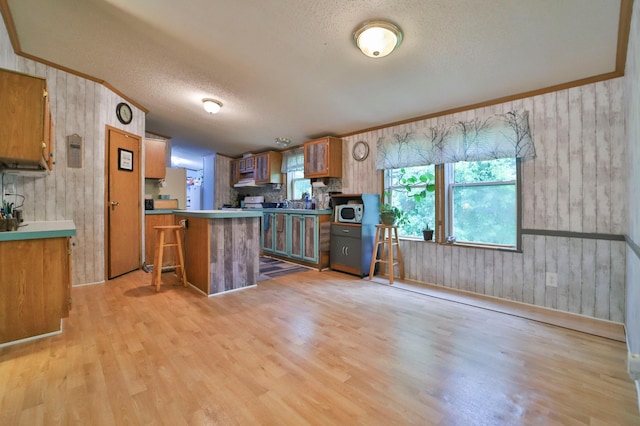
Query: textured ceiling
[{"x": 289, "y": 68}]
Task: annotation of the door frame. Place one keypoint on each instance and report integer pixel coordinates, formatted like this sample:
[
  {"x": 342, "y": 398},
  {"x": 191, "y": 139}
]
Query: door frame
[{"x": 106, "y": 194}]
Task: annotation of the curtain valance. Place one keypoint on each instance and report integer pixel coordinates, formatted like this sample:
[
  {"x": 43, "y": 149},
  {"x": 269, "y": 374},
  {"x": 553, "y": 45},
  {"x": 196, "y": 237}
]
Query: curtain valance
[
  {"x": 293, "y": 160},
  {"x": 498, "y": 136}
]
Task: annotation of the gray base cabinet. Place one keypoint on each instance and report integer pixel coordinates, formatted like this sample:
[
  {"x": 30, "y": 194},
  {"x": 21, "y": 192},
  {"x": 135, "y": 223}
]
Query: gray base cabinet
[{"x": 352, "y": 243}]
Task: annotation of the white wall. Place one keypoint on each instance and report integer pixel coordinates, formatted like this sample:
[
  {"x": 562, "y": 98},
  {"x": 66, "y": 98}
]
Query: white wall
[
  {"x": 575, "y": 184},
  {"x": 632, "y": 89},
  {"x": 83, "y": 107}
]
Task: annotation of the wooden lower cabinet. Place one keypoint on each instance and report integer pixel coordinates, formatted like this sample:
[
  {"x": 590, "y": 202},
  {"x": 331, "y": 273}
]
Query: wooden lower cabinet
[
  {"x": 150, "y": 221},
  {"x": 299, "y": 237},
  {"x": 35, "y": 287}
]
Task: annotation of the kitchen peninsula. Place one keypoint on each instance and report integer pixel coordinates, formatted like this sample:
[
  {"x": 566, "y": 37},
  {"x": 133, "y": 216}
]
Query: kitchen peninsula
[{"x": 222, "y": 249}]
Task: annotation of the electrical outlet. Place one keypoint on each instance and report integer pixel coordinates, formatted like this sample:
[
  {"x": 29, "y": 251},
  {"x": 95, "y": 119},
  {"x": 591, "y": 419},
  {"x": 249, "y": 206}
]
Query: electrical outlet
[
  {"x": 552, "y": 279},
  {"x": 10, "y": 188}
]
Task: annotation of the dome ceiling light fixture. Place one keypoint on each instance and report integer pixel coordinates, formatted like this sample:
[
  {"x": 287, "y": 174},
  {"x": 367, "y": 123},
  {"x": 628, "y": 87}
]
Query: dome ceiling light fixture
[
  {"x": 211, "y": 105},
  {"x": 283, "y": 142},
  {"x": 377, "y": 39}
]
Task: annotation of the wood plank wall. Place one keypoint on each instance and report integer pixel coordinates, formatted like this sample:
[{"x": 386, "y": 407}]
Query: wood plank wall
[
  {"x": 576, "y": 183},
  {"x": 83, "y": 107},
  {"x": 632, "y": 89}
]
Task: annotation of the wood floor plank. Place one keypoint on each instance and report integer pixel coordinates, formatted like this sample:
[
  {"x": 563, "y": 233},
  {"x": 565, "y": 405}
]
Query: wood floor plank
[{"x": 308, "y": 348}]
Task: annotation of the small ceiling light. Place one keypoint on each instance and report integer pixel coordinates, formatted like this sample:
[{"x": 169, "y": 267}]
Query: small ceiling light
[
  {"x": 283, "y": 142},
  {"x": 211, "y": 106},
  {"x": 377, "y": 39}
]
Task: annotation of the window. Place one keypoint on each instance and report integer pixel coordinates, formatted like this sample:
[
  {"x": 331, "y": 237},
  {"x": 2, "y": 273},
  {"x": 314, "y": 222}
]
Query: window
[
  {"x": 480, "y": 200},
  {"x": 298, "y": 185},
  {"x": 418, "y": 213}
]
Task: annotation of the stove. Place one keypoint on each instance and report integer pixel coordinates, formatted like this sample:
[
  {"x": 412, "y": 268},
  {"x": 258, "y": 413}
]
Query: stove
[{"x": 254, "y": 202}]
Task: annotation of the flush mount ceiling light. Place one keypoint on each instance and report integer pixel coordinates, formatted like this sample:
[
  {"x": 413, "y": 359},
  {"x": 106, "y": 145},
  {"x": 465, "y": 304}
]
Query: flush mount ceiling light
[
  {"x": 211, "y": 106},
  {"x": 283, "y": 142},
  {"x": 377, "y": 39}
]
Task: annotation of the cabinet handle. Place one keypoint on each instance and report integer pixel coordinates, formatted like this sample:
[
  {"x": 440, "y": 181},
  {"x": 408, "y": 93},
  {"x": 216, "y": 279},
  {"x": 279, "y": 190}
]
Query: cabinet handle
[{"x": 346, "y": 249}]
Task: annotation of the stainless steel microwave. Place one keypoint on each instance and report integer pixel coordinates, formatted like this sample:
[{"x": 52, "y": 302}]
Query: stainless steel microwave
[{"x": 349, "y": 213}]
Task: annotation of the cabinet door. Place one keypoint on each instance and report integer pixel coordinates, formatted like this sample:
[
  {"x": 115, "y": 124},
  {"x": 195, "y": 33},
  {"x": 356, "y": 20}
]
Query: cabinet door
[
  {"x": 280, "y": 234},
  {"x": 155, "y": 160},
  {"x": 310, "y": 232},
  {"x": 235, "y": 171},
  {"x": 297, "y": 236},
  {"x": 150, "y": 221},
  {"x": 316, "y": 159},
  {"x": 267, "y": 232},
  {"x": 323, "y": 158},
  {"x": 22, "y": 111},
  {"x": 346, "y": 251},
  {"x": 261, "y": 171}
]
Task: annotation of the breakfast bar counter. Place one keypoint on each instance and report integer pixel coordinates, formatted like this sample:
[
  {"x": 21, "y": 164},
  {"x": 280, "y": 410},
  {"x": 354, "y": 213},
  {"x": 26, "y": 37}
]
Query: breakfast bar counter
[{"x": 222, "y": 249}]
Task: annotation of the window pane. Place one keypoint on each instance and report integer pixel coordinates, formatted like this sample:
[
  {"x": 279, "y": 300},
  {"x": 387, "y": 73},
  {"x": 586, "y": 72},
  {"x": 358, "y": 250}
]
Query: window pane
[
  {"x": 500, "y": 170},
  {"x": 299, "y": 185},
  {"x": 418, "y": 213},
  {"x": 485, "y": 214}
]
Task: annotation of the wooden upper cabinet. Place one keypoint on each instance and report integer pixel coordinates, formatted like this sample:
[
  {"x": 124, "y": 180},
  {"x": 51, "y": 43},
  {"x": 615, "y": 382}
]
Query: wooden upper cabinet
[
  {"x": 246, "y": 164},
  {"x": 235, "y": 171},
  {"x": 26, "y": 134},
  {"x": 323, "y": 158},
  {"x": 267, "y": 167},
  {"x": 155, "y": 161}
]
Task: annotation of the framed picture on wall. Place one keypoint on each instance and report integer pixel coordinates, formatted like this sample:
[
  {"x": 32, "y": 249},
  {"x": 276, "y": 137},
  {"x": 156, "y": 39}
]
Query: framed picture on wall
[{"x": 125, "y": 160}]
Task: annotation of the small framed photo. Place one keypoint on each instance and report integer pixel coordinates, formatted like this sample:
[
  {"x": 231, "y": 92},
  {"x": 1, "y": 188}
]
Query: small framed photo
[{"x": 125, "y": 160}]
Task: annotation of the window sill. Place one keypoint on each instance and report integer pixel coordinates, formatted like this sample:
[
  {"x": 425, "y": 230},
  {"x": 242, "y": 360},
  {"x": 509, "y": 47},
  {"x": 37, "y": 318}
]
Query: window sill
[{"x": 465, "y": 245}]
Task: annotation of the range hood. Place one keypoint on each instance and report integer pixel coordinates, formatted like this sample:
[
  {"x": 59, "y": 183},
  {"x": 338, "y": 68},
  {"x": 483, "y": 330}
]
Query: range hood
[{"x": 245, "y": 182}]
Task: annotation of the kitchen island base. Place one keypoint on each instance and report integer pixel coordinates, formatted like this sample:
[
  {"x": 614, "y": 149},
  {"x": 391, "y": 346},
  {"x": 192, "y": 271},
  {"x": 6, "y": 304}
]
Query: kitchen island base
[{"x": 222, "y": 250}]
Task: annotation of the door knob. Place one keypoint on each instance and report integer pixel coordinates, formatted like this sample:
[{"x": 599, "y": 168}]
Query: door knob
[{"x": 115, "y": 204}]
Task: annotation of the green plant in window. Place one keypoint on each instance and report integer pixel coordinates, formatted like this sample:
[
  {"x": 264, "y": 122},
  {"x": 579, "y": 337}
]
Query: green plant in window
[
  {"x": 391, "y": 215},
  {"x": 417, "y": 187}
]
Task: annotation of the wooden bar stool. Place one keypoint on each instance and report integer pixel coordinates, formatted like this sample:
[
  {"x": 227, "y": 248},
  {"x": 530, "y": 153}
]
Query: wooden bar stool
[
  {"x": 385, "y": 239},
  {"x": 158, "y": 267}
]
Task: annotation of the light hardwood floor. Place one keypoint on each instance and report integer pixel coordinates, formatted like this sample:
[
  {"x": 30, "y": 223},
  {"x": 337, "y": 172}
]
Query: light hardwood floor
[{"x": 308, "y": 348}]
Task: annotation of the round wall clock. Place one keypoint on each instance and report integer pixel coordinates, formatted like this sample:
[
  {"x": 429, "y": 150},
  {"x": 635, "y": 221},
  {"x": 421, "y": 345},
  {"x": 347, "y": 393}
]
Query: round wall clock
[
  {"x": 124, "y": 113},
  {"x": 360, "y": 151}
]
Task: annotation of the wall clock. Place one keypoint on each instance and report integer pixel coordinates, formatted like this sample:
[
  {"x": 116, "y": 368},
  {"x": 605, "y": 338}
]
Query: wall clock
[
  {"x": 124, "y": 113},
  {"x": 360, "y": 151}
]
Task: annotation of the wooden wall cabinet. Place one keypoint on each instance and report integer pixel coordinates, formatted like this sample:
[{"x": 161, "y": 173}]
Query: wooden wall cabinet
[
  {"x": 246, "y": 164},
  {"x": 27, "y": 128},
  {"x": 35, "y": 295},
  {"x": 235, "y": 172},
  {"x": 323, "y": 158},
  {"x": 155, "y": 158},
  {"x": 268, "y": 167}
]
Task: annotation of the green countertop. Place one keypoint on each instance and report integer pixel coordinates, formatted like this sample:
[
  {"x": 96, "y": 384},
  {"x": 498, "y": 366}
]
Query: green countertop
[
  {"x": 218, "y": 214},
  {"x": 170, "y": 211},
  {"x": 297, "y": 211},
  {"x": 39, "y": 230}
]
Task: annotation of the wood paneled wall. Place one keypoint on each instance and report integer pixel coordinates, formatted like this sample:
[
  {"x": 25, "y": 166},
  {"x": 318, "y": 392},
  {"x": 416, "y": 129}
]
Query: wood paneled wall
[
  {"x": 576, "y": 183},
  {"x": 83, "y": 107},
  {"x": 632, "y": 89}
]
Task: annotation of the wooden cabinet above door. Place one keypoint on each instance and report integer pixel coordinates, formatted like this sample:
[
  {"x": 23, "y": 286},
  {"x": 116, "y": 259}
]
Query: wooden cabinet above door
[{"x": 155, "y": 158}]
